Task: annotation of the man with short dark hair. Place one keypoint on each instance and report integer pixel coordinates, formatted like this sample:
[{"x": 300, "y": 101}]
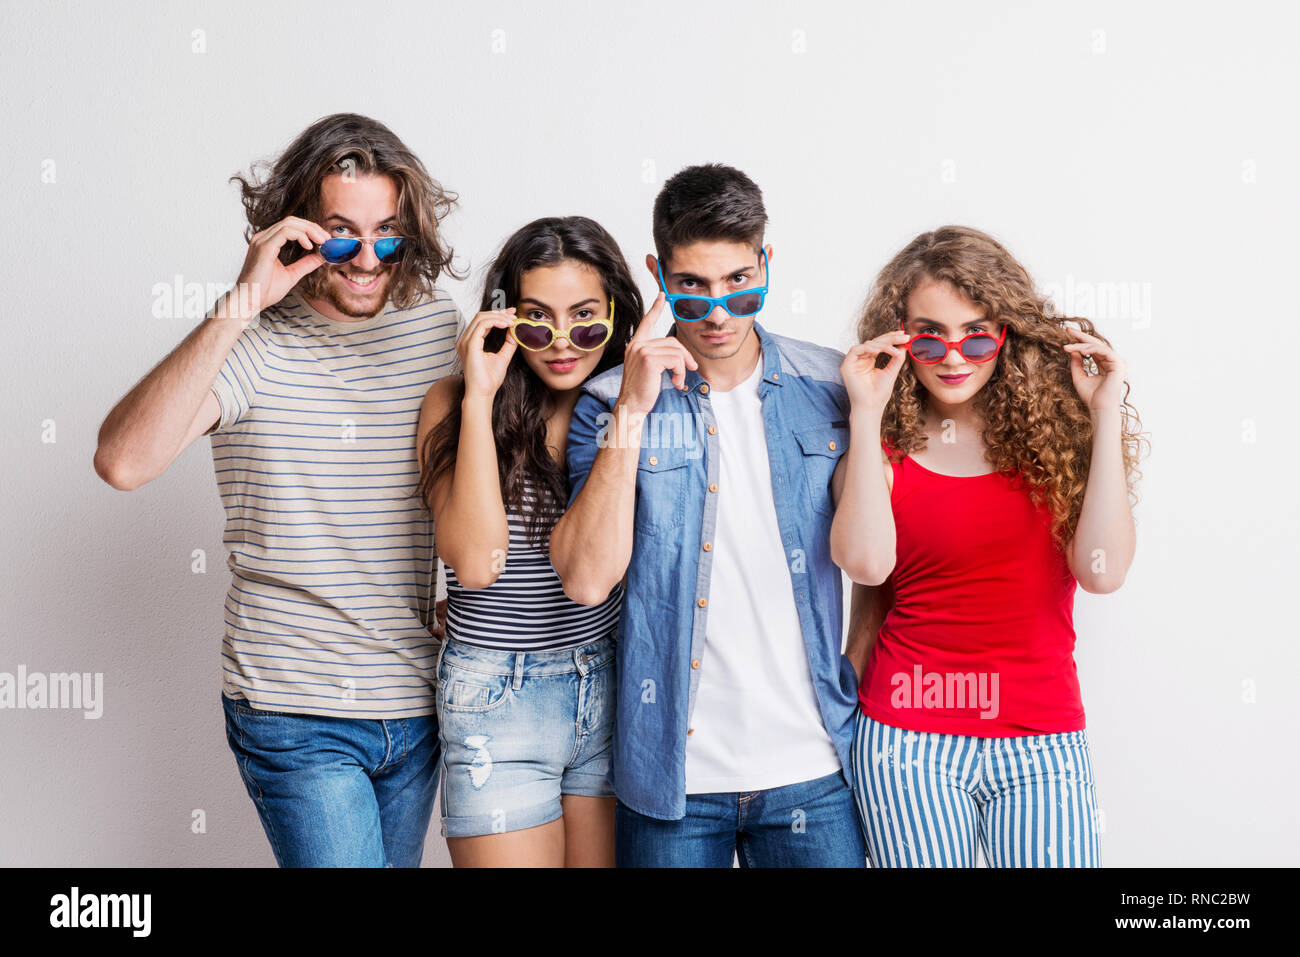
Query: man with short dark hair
[
  {"x": 735, "y": 701},
  {"x": 309, "y": 376}
]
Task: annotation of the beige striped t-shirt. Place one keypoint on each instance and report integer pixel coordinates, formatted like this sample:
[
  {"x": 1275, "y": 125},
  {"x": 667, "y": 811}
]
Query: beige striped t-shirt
[{"x": 331, "y": 558}]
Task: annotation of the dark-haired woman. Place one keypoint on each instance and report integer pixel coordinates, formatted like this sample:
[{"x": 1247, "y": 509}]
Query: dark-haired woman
[
  {"x": 525, "y": 676},
  {"x": 988, "y": 475}
]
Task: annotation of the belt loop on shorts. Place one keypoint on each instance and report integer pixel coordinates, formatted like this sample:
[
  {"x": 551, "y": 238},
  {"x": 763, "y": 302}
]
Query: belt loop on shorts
[{"x": 519, "y": 670}]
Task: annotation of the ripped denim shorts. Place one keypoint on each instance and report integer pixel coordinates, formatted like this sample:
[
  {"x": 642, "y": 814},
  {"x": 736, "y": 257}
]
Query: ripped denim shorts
[{"x": 520, "y": 728}]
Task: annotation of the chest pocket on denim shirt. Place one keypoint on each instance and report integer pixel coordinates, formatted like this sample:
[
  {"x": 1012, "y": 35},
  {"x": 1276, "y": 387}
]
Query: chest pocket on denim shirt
[
  {"x": 661, "y": 477},
  {"x": 822, "y": 447}
]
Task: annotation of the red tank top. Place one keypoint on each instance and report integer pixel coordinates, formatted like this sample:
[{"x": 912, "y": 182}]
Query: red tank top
[{"x": 980, "y": 640}]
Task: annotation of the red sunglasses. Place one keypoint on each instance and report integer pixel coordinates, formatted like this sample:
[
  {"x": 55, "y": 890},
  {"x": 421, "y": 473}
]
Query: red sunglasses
[{"x": 977, "y": 347}]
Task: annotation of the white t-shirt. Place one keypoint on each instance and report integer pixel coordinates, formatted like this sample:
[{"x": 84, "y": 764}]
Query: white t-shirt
[{"x": 756, "y": 723}]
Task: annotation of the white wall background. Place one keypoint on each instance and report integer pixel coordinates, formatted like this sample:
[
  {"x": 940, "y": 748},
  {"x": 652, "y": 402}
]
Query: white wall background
[{"x": 1148, "y": 149}]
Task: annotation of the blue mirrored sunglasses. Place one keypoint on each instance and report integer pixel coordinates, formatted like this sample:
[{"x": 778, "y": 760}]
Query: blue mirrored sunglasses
[
  {"x": 746, "y": 302},
  {"x": 341, "y": 249}
]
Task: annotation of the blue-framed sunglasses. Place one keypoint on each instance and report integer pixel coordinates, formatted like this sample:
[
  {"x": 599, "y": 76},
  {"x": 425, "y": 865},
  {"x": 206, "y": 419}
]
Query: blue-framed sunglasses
[
  {"x": 341, "y": 249},
  {"x": 740, "y": 304}
]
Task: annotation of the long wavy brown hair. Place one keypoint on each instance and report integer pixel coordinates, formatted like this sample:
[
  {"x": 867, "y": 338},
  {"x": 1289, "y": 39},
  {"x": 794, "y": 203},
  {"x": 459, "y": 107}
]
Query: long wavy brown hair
[
  {"x": 354, "y": 145},
  {"x": 520, "y": 409},
  {"x": 1035, "y": 423}
]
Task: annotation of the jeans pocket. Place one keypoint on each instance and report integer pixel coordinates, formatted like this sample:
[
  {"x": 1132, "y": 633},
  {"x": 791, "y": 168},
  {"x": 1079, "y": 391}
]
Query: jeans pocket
[{"x": 462, "y": 690}]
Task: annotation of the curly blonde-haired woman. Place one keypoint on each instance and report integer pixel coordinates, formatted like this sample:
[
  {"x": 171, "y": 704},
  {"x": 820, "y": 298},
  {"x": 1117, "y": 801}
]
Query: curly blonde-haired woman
[{"x": 991, "y": 464}]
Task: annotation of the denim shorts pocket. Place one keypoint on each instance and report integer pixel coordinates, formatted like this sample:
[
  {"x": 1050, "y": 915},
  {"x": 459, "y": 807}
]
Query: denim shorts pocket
[{"x": 460, "y": 689}]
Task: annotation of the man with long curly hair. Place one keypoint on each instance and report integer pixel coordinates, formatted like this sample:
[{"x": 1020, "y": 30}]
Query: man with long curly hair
[{"x": 309, "y": 375}]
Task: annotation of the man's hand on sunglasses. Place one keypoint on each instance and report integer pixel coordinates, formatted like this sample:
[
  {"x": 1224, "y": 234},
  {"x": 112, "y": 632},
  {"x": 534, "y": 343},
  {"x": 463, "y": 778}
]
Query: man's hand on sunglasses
[
  {"x": 645, "y": 360},
  {"x": 264, "y": 280}
]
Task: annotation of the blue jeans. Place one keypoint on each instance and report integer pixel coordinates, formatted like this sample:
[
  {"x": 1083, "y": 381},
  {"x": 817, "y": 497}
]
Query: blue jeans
[
  {"x": 810, "y": 824},
  {"x": 337, "y": 792}
]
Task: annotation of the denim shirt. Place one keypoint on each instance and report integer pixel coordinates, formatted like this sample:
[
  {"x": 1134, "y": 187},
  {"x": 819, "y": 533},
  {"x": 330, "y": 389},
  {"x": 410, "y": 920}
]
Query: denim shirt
[{"x": 665, "y": 611}]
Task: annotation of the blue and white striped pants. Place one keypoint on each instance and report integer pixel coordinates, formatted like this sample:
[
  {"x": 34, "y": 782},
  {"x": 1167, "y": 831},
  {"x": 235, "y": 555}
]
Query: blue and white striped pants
[{"x": 925, "y": 798}]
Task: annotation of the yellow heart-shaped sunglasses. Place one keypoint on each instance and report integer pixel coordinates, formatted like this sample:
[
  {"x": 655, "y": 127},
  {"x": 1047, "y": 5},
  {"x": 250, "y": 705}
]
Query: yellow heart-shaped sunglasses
[{"x": 587, "y": 336}]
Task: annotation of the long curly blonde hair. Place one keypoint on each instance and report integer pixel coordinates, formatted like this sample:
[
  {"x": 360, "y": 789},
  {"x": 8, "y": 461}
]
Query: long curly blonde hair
[{"x": 1035, "y": 423}]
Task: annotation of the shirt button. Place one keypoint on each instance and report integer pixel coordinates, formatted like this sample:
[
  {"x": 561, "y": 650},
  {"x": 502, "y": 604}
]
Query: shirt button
[
  {"x": 708, "y": 546},
  {"x": 705, "y": 388},
  {"x": 831, "y": 446},
  {"x": 776, "y": 375},
  {"x": 713, "y": 487},
  {"x": 655, "y": 461},
  {"x": 702, "y": 602},
  {"x": 690, "y": 732},
  {"x": 713, "y": 430},
  {"x": 695, "y": 663}
]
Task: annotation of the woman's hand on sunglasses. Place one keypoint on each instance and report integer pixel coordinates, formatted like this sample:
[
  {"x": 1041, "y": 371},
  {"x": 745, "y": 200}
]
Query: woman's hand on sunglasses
[
  {"x": 265, "y": 280},
  {"x": 485, "y": 371},
  {"x": 1105, "y": 389},
  {"x": 645, "y": 360},
  {"x": 869, "y": 388}
]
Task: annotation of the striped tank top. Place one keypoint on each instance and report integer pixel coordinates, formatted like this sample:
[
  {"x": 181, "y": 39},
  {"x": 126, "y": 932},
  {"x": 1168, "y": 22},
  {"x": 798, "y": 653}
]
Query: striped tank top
[{"x": 526, "y": 609}]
